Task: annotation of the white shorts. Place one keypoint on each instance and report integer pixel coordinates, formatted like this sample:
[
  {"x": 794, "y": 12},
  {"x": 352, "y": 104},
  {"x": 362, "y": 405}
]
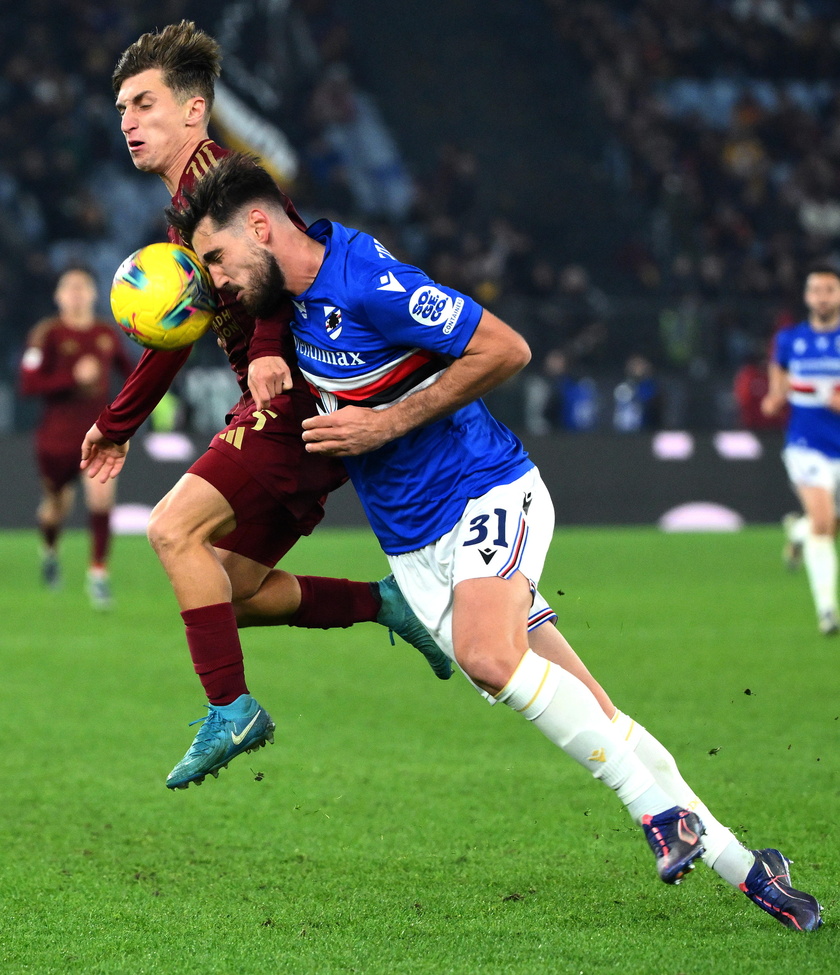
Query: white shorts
[
  {"x": 810, "y": 468},
  {"x": 507, "y": 530}
]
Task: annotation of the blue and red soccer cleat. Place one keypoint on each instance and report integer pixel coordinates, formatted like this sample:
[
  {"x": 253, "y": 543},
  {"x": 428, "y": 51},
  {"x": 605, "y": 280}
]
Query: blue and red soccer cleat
[
  {"x": 768, "y": 886},
  {"x": 674, "y": 837}
]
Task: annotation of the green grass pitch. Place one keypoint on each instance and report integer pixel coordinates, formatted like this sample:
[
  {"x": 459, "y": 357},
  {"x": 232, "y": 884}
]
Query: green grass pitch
[{"x": 399, "y": 824}]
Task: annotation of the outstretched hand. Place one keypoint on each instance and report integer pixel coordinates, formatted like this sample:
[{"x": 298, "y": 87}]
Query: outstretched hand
[{"x": 101, "y": 458}]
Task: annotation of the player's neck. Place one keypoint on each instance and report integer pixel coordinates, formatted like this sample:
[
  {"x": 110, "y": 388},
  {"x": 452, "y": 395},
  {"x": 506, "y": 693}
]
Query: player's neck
[
  {"x": 303, "y": 267},
  {"x": 175, "y": 170},
  {"x": 79, "y": 323},
  {"x": 825, "y": 324}
]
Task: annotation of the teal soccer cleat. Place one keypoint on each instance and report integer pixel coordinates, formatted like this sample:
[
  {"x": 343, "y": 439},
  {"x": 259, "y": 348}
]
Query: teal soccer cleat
[
  {"x": 50, "y": 570},
  {"x": 396, "y": 614},
  {"x": 228, "y": 731},
  {"x": 98, "y": 588}
]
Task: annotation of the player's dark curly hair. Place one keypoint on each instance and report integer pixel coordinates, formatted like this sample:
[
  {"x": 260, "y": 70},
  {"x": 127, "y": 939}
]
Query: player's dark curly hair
[
  {"x": 189, "y": 59},
  {"x": 236, "y": 181}
]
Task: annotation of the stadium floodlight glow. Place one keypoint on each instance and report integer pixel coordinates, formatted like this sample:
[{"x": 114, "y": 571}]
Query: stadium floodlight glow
[
  {"x": 673, "y": 445},
  {"x": 701, "y": 516},
  {"x": 169, "y": 446},
  {"x": 130, "y": 519},
  {"x": 738, "y": 445}
]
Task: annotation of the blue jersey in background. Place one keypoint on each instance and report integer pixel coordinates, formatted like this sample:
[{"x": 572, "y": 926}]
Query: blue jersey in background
[{"x": 812, "y": 361}]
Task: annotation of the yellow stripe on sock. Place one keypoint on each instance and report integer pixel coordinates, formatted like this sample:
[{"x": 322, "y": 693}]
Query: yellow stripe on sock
[
  {"x": 539, "y": 689},
  {"x": 620, "y": 714}
]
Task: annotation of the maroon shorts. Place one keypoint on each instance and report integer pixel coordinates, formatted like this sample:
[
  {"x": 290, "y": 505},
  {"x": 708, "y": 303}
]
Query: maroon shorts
[
  {"x": 58, "y": 468},
  {"x": 277, "y": 490}
]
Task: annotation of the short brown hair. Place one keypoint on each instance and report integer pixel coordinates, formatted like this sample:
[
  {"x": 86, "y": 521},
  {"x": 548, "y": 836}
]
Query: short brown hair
[
  {"x": 189, "y": 59},
  {"x": 236, "y": 181}
]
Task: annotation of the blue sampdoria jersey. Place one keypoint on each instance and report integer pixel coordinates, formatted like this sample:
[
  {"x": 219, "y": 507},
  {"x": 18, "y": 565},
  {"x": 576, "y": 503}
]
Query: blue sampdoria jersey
[
  {"x": 812, "y": 361},
  {"x": 368, "y": 331}
]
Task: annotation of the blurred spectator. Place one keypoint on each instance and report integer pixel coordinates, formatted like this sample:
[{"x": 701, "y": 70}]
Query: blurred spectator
[
  {"x": 558, "y": 399},
  {"x": 347, "y": 123},
  {"x": 637, "y": 399}
]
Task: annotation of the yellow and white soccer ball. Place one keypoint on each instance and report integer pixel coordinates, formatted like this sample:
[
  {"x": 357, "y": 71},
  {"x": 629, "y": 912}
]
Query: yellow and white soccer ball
[{"x": 162, "y": 297}]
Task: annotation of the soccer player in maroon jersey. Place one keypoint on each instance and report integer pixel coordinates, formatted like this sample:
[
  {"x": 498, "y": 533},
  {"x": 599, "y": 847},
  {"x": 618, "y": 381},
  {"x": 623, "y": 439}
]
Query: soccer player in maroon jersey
[
  {"x": 69, "y": 361},
  {"x": 248, "y": 499}
]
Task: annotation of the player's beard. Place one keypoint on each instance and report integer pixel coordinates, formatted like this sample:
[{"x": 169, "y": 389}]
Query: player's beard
[{"x": 267, "y": 288}]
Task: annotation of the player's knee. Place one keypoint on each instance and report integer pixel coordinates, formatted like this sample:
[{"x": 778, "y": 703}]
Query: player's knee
[
  {"x": 825, "y": 526},
  {"x": 489, "y": 666},
  {"x": 163, "y": 531}
]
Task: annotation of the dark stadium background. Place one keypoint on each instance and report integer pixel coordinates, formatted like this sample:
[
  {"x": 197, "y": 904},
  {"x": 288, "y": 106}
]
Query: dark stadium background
[{"x": 644, "y": 178}]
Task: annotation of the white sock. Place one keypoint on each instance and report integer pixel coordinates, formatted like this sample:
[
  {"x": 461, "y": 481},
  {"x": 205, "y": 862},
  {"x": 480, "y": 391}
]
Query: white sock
[
  {"x": 567, "y": 713},
  {"x": 724, "y": 854},
  {"x": 799, "y": 530},
  {"x": 820, "y": 558}
]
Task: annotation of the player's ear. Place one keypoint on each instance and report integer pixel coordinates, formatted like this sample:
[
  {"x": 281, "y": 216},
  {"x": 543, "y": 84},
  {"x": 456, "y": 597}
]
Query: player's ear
[
  {"x": 259, "y": 224},
  {"x": 196, "y": 113}
]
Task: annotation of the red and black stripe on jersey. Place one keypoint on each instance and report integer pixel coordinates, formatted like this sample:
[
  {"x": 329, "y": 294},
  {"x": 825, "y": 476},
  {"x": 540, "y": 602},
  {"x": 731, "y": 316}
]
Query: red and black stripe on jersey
[{"x": 385, "y": 385}]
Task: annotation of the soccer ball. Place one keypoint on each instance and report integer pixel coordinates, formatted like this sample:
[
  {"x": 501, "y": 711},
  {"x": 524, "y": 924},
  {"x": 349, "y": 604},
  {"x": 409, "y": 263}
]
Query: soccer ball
[{"x": 162, "y": 297}]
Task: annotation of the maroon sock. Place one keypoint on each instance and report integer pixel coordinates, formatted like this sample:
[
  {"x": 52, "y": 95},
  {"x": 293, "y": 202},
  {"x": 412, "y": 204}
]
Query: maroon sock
[
  {"x": 50, "y": 534},
  {"x": 216, "y": 651},
  {"x": 328, "y": 603},
  {"x": 100, "y": 530}
]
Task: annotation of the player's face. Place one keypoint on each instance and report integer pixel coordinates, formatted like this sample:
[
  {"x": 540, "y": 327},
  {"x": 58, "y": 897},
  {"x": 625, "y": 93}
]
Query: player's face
[
  {"x": 75, "y": 294},
  {"x": 155, "y": 125},
  {"x": 822, "y": 297},
  {"x": 241, "y": 268}
]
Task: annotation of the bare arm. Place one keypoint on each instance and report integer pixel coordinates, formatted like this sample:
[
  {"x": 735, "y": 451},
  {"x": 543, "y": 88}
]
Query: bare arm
[
  {"x": 495, "y": 353},
  {"x": 776, "y": 397}
]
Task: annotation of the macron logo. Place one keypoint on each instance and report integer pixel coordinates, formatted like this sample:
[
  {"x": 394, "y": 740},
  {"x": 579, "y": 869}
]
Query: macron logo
[{"x": 387, "y": 282}]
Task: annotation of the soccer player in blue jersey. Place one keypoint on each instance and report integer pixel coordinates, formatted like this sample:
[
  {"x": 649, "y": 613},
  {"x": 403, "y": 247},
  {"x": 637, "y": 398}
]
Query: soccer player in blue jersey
[
  {"x": 399, "y": 364},
  {"x": 805, "y": 372}
]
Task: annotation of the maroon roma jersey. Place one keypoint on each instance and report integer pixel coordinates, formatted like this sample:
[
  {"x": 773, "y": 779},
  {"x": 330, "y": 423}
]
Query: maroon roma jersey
[
  {"x": 52, "y": 350},
  {"x": 242, "y": 338}
]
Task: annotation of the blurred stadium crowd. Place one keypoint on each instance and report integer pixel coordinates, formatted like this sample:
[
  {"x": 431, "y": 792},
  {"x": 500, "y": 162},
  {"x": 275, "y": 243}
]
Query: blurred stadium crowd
[
  {"x": 727, "y": 117},
  {"x": 722, "y": 122}
]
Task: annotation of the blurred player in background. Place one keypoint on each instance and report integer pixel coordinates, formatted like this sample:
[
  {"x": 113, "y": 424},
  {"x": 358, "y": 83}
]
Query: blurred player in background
[
  {"x": 246, "y": 501},
  {"x": 805, "y": 373},
  {"x": 400, "y": 363},
  {"x": 69, "y": 361}
]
